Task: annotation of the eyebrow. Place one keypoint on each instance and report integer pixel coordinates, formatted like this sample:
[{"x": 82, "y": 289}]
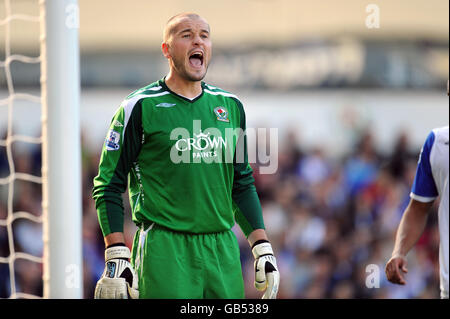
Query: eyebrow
[{"x": 190, "y": 30}]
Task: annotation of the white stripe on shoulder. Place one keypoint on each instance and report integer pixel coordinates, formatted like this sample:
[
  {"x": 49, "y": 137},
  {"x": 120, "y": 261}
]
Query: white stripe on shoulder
[
  {"x": 155, "y": 88},
  {"x": 128, "y": 105},
  {"x": 221, "y": 93}
]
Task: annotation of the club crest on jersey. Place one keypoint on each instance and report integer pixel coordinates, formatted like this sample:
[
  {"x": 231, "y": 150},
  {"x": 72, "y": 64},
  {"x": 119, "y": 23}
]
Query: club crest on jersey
[
  {"x": 222, "y": 114},
  {"x": 112, "y": 141}
]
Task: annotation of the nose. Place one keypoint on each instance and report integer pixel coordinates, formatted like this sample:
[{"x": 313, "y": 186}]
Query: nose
[{"x": 197, "y": 40}]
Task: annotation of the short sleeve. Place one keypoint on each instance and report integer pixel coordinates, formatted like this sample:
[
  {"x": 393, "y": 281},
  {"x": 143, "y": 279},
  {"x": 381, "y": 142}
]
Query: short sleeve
[{"x": 424, "y": 187}]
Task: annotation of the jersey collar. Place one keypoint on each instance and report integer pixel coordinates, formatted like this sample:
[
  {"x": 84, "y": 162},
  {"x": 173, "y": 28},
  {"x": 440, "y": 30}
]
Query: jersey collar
[{"x": 162, "y": 83}]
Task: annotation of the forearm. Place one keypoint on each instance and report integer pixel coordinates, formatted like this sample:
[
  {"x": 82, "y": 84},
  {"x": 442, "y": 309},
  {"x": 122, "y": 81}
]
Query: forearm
[
  {"x": 411, "y": 227},
  {"x": 257, "y": 234},
  {"x": 248, "y": 210},
  {"x": 114, "y": 238}
]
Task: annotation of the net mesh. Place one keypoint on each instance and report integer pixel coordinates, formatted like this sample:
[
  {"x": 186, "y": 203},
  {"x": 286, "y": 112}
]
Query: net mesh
[{"x": 10, "y": 181}]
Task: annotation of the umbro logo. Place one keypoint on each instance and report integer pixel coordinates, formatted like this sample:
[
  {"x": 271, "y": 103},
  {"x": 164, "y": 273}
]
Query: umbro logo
[{"x": 165, "y": 105}]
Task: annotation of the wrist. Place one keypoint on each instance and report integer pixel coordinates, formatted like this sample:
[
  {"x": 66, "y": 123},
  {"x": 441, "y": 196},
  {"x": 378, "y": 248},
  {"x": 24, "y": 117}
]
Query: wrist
[
  {"x": 256, "y": 235},
  {"x": 114, "y": 238},
  {"x": 260, "y": 242},
  {"x": 398, "y": 255},
  {"x": 115, "y": 245}
]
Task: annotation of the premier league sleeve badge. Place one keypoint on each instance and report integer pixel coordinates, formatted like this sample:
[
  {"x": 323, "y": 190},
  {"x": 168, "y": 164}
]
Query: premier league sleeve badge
[{"x": 112, "y": 141}]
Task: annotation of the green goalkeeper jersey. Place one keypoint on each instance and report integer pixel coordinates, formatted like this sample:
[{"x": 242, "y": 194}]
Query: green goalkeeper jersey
[{"x": 184, "y": 162}]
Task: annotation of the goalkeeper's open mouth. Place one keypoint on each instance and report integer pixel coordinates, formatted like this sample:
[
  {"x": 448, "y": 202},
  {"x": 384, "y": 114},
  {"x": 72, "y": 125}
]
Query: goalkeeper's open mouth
[{"x": 196, "y": 59}]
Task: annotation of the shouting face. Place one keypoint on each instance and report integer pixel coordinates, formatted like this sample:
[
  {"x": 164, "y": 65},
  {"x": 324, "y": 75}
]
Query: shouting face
[{"x": 187, "y": 46}]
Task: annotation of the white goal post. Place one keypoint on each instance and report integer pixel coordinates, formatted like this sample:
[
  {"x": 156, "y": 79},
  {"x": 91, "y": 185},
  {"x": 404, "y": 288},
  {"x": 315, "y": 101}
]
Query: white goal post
[{"x": 61, "y": 150}]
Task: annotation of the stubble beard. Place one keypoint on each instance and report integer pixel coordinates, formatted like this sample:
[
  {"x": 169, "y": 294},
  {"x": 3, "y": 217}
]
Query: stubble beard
[{"x": 178, "y": 65}]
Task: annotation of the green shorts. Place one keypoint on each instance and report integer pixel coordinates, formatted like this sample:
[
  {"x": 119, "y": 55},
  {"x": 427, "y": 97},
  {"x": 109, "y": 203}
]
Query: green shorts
[{"x": 176, "y": 265}]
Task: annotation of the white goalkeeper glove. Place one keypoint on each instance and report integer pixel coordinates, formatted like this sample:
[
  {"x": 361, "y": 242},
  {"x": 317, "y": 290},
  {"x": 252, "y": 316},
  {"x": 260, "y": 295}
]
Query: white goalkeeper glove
[
  {"x": 267, "y": 276},
  {"x": 119, "y": 280}
]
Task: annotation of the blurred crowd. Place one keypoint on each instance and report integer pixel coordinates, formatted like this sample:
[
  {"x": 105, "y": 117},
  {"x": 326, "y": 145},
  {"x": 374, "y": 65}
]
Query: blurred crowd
[{"x": 331, "y": 221}]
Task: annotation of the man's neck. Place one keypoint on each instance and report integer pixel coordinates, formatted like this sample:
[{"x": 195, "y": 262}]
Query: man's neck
[{"x": 188, "y": 89}]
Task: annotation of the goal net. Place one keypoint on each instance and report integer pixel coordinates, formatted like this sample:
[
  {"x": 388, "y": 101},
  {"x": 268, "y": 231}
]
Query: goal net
[{"x": 40, "y": 246}]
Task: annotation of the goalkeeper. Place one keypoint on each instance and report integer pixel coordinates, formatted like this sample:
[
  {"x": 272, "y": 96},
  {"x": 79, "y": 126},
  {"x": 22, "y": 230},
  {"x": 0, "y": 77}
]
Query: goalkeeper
[{"x": 168, "y": 143}]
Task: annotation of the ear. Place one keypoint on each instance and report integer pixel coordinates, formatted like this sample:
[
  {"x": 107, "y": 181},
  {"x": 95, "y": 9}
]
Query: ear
[{"x": 165, "y": 50}]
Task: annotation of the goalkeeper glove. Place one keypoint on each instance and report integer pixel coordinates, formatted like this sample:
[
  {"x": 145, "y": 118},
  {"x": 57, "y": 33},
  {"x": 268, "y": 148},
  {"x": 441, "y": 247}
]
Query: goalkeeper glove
[
  {"x": 267, "y": 276},
  {"x": 119, "y": 280}
]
